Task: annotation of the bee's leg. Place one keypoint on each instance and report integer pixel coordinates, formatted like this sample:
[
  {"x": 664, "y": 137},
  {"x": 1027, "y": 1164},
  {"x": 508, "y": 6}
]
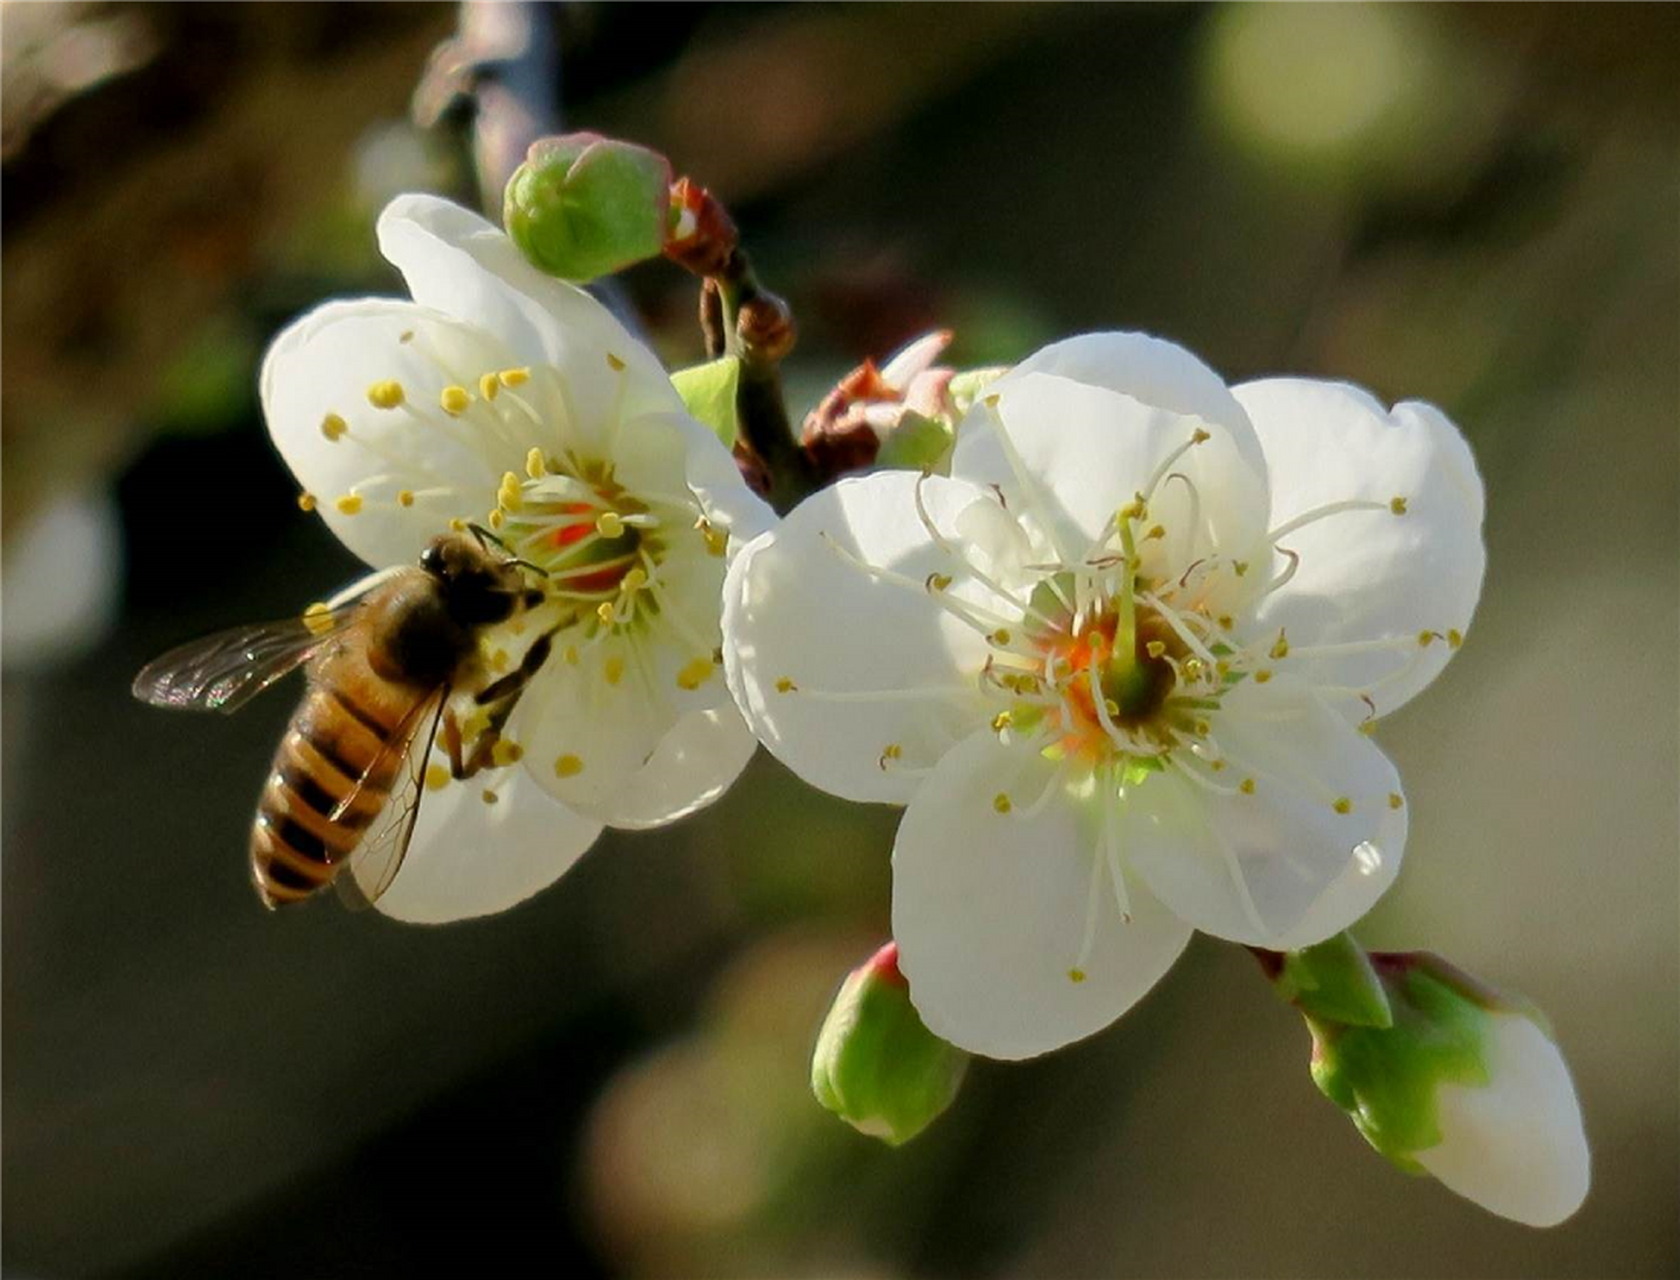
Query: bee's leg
[
  {"x": 450, "y": 732},
  {"x": 501, "y": 696}
]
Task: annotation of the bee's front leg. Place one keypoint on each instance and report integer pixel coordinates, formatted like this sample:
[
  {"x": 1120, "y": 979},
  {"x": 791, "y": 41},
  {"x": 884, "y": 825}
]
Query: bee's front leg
[{"x": 501, "y": 696}]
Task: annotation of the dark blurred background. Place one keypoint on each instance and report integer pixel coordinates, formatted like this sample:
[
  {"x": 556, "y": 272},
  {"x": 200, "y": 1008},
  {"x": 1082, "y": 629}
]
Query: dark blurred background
[{"x": 1474, "y": 205}]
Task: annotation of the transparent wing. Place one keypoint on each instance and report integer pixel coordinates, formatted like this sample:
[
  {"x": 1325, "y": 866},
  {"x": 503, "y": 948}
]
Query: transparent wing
[
  {"x": 223, "y": 672},
  {"x": 373, "y": 864}
]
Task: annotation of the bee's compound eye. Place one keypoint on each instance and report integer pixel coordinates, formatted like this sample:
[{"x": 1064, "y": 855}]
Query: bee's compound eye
[{"x": 431, "y": 559}]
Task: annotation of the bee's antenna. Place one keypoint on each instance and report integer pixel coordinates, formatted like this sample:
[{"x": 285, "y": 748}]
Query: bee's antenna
[
  {"x": 484, "y": 535},
  {"x": 526, "y": 564}
]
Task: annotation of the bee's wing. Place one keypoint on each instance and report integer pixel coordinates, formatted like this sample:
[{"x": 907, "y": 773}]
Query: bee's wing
[
  {"x": 223, "y": 672},
  {"x": 373, "y": 864}
]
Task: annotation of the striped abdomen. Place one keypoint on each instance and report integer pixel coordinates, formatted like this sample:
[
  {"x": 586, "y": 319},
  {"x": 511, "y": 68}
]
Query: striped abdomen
[{"x": 347, "y": 719}]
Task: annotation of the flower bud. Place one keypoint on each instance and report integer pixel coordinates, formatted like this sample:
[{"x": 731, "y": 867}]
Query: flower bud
[
  {"x": 1456, "y": 1081},
  {"x": 876, "y": 1066},
  {"x": 582, "y": 206},
  {"x": 899, "y": 415}
]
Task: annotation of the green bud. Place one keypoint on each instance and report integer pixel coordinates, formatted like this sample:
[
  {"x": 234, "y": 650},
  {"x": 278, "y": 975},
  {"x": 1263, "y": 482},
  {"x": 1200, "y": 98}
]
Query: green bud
[
  {"x": 915, "y": 443},
  {"x": 1443, "y": 1075},
  {"x": 583, "y": 206},
  {"x": 876, "y": 1066}
]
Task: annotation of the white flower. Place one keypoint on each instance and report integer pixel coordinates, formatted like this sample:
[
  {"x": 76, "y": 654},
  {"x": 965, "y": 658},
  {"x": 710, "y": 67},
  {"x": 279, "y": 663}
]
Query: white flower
[
  {"x": 504, "y": 397},
  {"x": 1117, "y": 665},
  {"x": 1513, "y": 1144}
]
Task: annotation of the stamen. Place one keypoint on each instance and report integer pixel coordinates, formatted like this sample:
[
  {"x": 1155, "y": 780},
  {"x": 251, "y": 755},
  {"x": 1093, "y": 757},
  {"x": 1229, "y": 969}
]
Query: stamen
[
  {"x": 384, "y": 395},
  {"x": 1199, "y": 436},
  {"x": 333, "y": 426},
  {"x": 568, "y": 766},
  {"x": 1397, "y": 506},
  {"x": 454, "y": 400},
  {"x": 349, "y": 503}
]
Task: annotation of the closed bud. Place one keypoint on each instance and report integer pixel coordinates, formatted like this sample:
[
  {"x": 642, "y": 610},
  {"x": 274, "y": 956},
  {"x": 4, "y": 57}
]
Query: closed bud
[
  {"x": 876, "y": 1066},
  {"x": 1444, "y": 1076},
  {"x": 582, "y": 206},
  {"x": 899, "y": 415}
]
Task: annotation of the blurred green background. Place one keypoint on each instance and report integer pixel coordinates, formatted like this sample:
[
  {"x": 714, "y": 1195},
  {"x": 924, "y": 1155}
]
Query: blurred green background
[{"x": 1474, "y": 205}]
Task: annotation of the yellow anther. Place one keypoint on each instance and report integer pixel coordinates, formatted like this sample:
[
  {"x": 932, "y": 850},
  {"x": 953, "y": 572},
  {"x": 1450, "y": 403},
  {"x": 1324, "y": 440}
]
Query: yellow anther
[
  {"x": 1342, "y": 805},
  {"x": 535, "y": 467},
  {"x": 498, "y": 660},
  {"x": 1217, "y": 766},
  {"x": 383, "y": 395},
  {"x": 1222, "y": 667},
  {"x": 1076, "y": 975},
  {"x": 496, "y": 519},
  {"x": 457, "y": 524},
  {"x": 717, "y": 541},
  {"x": 1158, "y": 531},
  {"x": 1367, "y": 727},
  {"x": 1225, "y": 623},
  {"x": 318, "y": 618},
  {"x": 333, "y": 426},
  {"x": 488, "y": 796},
  {"x": 696, "y": 673},
  {"x": 1111, "y": 706},
  {"x": 1000, "y": 721},
  {"x": 1397, "y": 506},
  {"x": 1155, "y": 649},
  {"x": 505, "y": 753},
  {"x": 938, "y": 581},
  {"x": 784, "y": 685},
  {"x": 633, "y": 580},
  {"x": 405, "y": 497},
  {"x": 1001, "y": 803},
  {"x": 606, "y": 612},
  {"x": 991, "y": 401},
  {"x": 1240, "y": 567},
  {"x": 609, "y": 524},
  {"x": 614, "y": 363},
  {"x": 1454, "y": 638},
  {"x": 1132, "y": 511},
  {"x": 1261, "y": 676},
  {"x": 1193, "y": 668},
  {"x": 1281, "y": 648},
  {"x": 1395, "y": 800},
  {"x": 349, "y": 504},
  {"x": 475, "y": 724},
  {"x": 1427, "y": 638},
  {"x": 568, "y": 766},
  {"x": 612, "y": 670},
  {"x": 571, "y": 655},
  {"x": 406, "y": 336},
  {"x": 1001, "y": 636},
  {"x": 513, "y": 377},
  {"x": 1246, "y": 786},
  {"x": 1200, "y": 436},
  {"x": 892, "y": 751},
  {"x": 437, "y": 777},
  {"x": 306, "y": 502},
  {"x": 454, "y": 400},
  {"x": 1202, "y": 728},
  {"x": 510, "y": 495},
  {"x": 489, "y": 386}
]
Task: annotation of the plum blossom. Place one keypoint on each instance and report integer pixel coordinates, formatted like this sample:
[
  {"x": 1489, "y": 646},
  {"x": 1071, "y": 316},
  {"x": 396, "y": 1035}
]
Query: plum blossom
[
  {"x": 504, "y": 398},
  {"x": 1120, "y": 665}
]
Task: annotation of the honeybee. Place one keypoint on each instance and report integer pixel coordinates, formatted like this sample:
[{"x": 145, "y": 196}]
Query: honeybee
[{"x": 341, "y": 802}]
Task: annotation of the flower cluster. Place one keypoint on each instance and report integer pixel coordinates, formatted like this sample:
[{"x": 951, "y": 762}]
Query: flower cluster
[{"x": 1116, "y": 638}]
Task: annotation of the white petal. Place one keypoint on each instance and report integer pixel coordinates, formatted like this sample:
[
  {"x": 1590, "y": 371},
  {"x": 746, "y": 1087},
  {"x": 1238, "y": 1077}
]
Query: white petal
[
  {"x": 671, "y": 454},
  {"x": 588, "y": 729},
  {"x": 694, "y": 764},
  {"x": 469, "y": 858},
  {"x": 1370, "y": 575},
  {"x": 801, "y": 621},
  {"x": 1280, "y": 868},
  {"x": 1515, "y": 1145},
  {"x": 460, "y": 264},
  {"x": 1091, "y": 419},
  {"x": 324, "y": 363},
  {"x": 989, "y": 910}
]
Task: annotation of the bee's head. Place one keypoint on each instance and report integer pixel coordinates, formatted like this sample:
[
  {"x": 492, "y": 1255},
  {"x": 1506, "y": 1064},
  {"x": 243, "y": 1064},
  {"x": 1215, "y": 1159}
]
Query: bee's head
[{"x": 477, "y": 586}]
